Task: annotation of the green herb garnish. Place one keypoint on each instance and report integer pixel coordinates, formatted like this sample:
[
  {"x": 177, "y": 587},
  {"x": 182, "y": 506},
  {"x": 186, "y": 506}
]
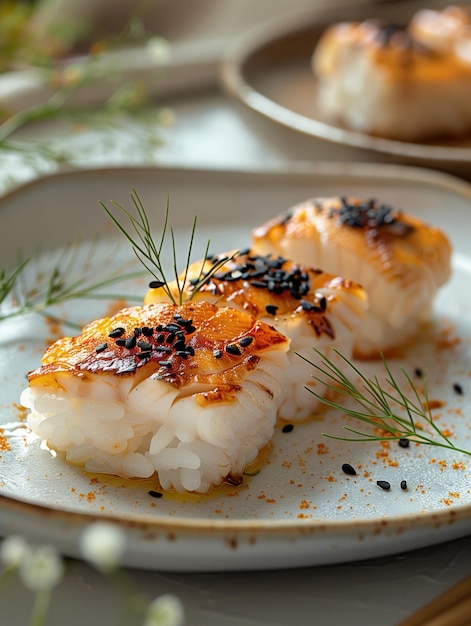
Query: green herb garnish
[
  {"x": 374, "y": 405},
  {"x": 149, "y": 252},
  {"x": 63, "y": 62},
  {"x": 33, "y": 287}
]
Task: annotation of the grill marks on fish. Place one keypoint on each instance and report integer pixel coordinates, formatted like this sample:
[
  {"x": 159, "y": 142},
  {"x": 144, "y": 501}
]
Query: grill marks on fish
[
  {"x": 400, "y": 260},
  {"x": 396, "y": 244},
  {"x": 195, "y": 421},
  {"x": 197, "y": 340},
  {"x": 267, "y": 285}
]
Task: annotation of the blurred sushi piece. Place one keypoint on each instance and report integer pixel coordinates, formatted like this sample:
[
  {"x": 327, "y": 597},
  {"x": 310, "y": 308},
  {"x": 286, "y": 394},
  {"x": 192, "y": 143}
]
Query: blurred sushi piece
[
  {"x": 188, "y": 392},
  {"x": 382, "y": 80},
  {"x": 399, "y": 260},
  {"x": 440, "y": 29},
  {"x": 446, "y": 30},
  {"x": 312, "y": 308}
]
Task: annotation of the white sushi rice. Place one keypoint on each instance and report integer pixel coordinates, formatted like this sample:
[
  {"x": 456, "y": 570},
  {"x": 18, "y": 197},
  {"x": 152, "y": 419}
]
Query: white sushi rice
[
  {"x": 344, "y": 314},
  {"x": 112, "y": 425}
]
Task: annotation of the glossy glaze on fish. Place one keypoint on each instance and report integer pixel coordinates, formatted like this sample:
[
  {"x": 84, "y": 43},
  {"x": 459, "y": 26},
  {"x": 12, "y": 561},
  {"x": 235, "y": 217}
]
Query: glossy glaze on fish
[{"x": 399, "y": 260}]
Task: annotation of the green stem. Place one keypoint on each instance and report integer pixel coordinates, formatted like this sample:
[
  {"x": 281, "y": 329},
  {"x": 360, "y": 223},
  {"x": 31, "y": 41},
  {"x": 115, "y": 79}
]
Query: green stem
[
  {"x": 34, "y": 113},
  {"x": 40, "y": 607},
  {"x": 134, "y": 603}
]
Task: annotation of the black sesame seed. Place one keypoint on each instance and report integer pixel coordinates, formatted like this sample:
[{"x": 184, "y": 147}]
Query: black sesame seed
[
  {"x": 287, "y": 428},
  {"x": 218, "y": 354},
  {"x": 348, "y": 469},
  {"x": 156, "y": 284},
  {"x": 246, "y": 341},
  {"x": 285, "y": 218},
  {"x": 121, "y": 342},
  {"x": 147, "y": 331},
  {"x": 179, "y": 345},
  {"x": 101, "y": 348},
  {"x": 165, "y": 363},
  {"x": 271, "y": 309},
  {"x": 170, "y": 338},
  {"x": 130, "y": 343},
  {"x": 117, "y": 332},
  {"x": 156, "y": 494},
  {"x": 383, "y": 484},
  {"x": 190, "y": 329},
  {"x": 183, "y": 322},
  {"x": 233, "y": 349},
  {"x": 190, "y": 350},
  {"x": 144, "y": 355},
  {"x": 369, "y": 214},
  {"x": 404, "y": 443},
  {"x": 404, "y": 485},
  {"x": 160, "y": 338},
  {"x": 458, "y": 389},
  {"x": 144, "y": 345},
  {"x": 171, "y": 328},
  {"x": 164, "y": 349},
  {"x": 137, "y": 332},
  {"x": 418, "y": 372}
]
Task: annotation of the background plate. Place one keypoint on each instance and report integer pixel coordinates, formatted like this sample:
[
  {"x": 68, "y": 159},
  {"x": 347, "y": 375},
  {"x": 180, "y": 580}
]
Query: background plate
[
  {"x": 300, "y": 509},
  {"x": 269, "y": 70}
]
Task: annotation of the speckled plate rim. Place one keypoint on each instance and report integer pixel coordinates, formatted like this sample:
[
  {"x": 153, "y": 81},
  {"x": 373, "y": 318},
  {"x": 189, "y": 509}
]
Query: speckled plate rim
[
  {"x": 455, "y": 515},
  {"x": 234, "y": 80},
  {"x": 436, "y": 519}
]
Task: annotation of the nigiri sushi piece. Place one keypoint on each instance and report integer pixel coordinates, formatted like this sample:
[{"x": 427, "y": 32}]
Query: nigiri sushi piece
[
  {"x": 440, "y": 29},
  {"x": 399, "y": 260},
  {"x": 446, "y": 30},
  {"x": 186, "y": 392},
  {"x": 379, "y": 80},
  {"x": 312, "y": 308}
]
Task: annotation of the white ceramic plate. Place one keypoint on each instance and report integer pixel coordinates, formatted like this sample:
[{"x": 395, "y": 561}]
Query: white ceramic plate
[
  {"x": 300, "y": 509},
  {"x": 269, "y": 70}
]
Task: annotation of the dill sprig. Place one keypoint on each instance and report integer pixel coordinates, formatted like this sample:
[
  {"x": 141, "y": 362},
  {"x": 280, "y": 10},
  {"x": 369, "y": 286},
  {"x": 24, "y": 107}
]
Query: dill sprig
[
  {"x": 149, "y": 253},
  {"x": 53, "y": 55},
  {"x": 373, "y": 405},
  {"x": 36, "y": 285}
]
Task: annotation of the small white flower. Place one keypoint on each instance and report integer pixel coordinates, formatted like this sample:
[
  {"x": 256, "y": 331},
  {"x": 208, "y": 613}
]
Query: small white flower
[
  {"x": 41, "y": 568},
  {"x": 158, "y": 49},
  {"x": 166, "y": 117},
  {"x": 13, "y": 550},
  {"x": 166, "y": 610},
  {"x": 103, "y": 544}
]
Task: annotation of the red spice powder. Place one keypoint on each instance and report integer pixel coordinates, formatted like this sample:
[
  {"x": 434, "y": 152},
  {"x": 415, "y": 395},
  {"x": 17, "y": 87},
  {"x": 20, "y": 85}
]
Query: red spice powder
[
  {"x": 322, "y": 448},
  {"x": 22, "y": 411},
  {"x": 433, "y": 404}
]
